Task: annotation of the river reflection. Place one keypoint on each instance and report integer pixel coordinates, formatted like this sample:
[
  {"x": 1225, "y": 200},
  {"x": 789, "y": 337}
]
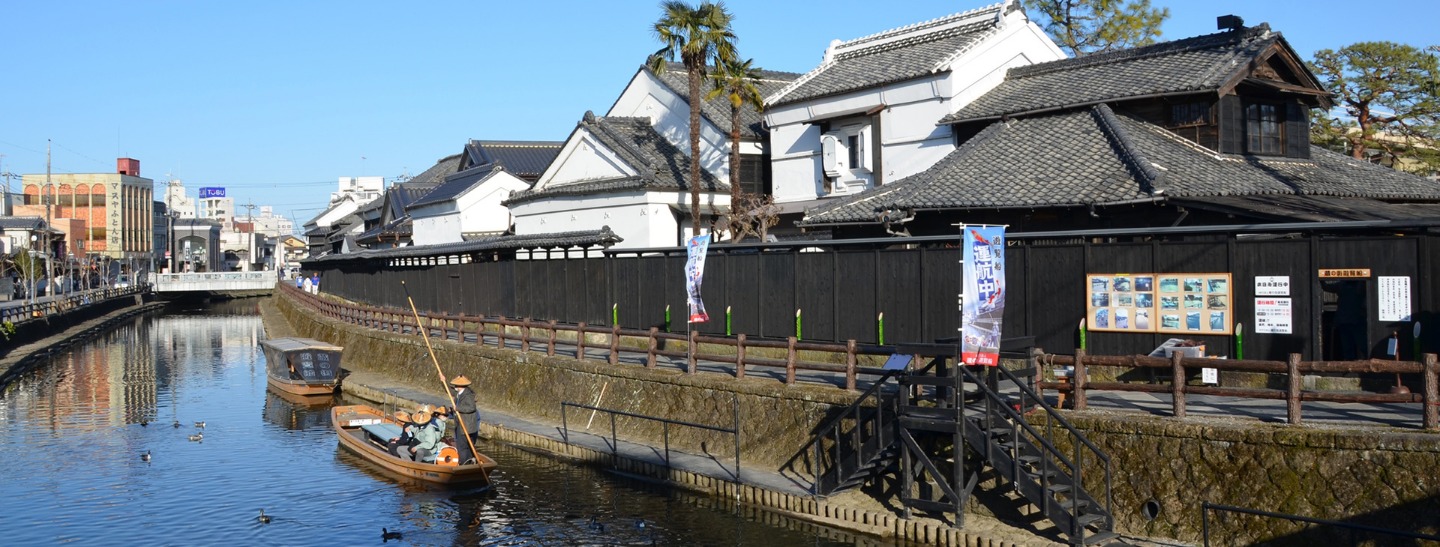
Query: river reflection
[{"x": 74, "y": 431}]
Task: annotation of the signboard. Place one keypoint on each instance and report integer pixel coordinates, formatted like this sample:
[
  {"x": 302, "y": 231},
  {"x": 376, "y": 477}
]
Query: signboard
[
  {"x": 1395, "y": 298},
  {"x": 983, "y": 294},
  {"x": 212, "y": 192},
  {"x": 1197, "y": 303},
  {"x": 1344, "y": 273},
  {"x": 1273, "y": 316},
  {"x": 1272, "y": 285},
  {"x": 694, "y": 274}
]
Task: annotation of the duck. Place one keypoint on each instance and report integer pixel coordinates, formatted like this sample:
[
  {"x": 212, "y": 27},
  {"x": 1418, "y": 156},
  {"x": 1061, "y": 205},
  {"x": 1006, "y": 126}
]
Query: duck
[
  {"x": 145, "y": 456},
  {"x": 200, "y": 425},
  {"x": 387, "y": 535},
  {"x": 144, "y": 423},
  {"x": 197, "y": 437},
  {"x": 640, "y": 523},
  {"x": 176, "y": 425},
  {"x": 263, "y": 518}
]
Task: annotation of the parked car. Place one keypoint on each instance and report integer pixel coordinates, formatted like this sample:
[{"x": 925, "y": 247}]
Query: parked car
[{"x": 122, "y": 281}]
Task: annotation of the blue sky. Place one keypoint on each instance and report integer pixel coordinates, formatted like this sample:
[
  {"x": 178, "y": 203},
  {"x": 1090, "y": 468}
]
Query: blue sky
[{"x": 276, "y": 100}]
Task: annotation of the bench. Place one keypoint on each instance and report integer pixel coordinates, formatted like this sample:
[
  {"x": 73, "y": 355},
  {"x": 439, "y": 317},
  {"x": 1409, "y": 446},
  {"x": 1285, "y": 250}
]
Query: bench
[{"x": 382, "y": 431}]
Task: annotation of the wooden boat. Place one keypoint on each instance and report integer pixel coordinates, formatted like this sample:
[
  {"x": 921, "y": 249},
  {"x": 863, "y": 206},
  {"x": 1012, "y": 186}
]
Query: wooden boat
[
  {"x": 302, "y": 366},
  {"x": 364, "y": 431}
]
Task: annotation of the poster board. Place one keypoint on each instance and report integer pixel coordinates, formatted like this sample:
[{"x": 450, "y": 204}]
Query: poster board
[{"x": 1180, "y": 303}]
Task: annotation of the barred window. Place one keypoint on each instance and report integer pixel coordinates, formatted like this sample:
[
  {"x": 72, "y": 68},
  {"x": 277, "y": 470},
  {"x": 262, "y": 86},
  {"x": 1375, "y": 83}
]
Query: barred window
[
  {"x": 1189, "y": 114},
  {"x": 1264, "y": 129}
]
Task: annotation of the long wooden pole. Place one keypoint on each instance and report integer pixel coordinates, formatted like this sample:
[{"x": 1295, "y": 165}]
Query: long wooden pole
[{"x": 425, "y": 334}]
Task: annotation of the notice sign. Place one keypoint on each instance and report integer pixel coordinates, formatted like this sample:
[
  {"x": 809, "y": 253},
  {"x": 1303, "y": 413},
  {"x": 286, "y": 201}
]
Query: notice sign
[
  {"x": 1395, "y": 298},
  {"x": 1272, "y": 316},
  {"x": 1344, "y": 273},
  {"x": 1272, "y": 285}
]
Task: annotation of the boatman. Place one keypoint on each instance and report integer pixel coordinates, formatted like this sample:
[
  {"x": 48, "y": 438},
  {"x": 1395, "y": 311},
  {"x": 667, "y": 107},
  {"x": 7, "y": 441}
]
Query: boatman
[{"x": 469, "y": 418}]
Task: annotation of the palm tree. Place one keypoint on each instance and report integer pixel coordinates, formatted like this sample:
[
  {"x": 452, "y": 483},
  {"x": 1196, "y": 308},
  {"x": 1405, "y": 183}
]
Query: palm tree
[
  {"x": 698, "y": 36},
  {"x": 736, "y": 80}
]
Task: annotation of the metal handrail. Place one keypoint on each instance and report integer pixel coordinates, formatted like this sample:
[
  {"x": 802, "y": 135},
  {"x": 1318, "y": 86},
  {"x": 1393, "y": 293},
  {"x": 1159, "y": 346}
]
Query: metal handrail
[
  {"x": 994, "y": 399},
  {"x": 734, "y": 431},
  {"x": 1206, "y": 507}
]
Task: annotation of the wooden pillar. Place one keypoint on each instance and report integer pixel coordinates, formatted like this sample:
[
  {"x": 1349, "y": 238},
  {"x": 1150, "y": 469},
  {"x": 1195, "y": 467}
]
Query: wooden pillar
[
  {"x": 580, "y": 341},
  {"x": 500, "y": 334},
  {"x": 1292, "y": 391},
  {"x": 690, "y": 362},
  {"x": 1078, "y": 382},
  {"x": 615, "y": 344},
  {"x": 525, "y": 334},
  {"x": 790, "y": 362},
  {"x": 1432, "y": 392},
  {"x": 850, "y": 365},
  {"x": 740, "y": 356},
  {"x": 650, "y": 355},
  {"x": 550, "y": 346},
  {"x": 1177, "y": 384}
]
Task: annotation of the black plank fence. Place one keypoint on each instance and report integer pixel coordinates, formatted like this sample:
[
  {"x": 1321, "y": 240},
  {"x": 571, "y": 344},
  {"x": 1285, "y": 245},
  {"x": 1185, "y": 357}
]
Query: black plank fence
[{"x": 840, "y": 289}]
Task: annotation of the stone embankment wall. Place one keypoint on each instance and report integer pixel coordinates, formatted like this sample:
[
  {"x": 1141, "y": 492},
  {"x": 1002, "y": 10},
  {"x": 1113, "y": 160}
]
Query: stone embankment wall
[
  {"x": 775, "y": 420},
  {"x": 1382, "y": 477}
]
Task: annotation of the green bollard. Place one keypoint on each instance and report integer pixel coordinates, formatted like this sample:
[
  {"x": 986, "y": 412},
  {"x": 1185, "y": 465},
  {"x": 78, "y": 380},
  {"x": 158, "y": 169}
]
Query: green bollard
[
  {"x": 667, "y": 318},
  {"x": 727, "y": 320},
  {"x": 614, "y": 314},
  {"x": 1239, "y": 340},
  {"x": 1082, "y": 334},
  {"x": 797, "y": 326},
  {"x": 880, "y": 328}
]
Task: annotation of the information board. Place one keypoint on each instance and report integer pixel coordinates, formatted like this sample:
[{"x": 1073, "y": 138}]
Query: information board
[{"x": 1198, "y": 303}]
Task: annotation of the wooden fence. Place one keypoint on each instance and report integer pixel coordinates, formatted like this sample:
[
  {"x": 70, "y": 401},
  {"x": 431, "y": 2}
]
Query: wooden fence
[{"x": 1294, "y": 370}]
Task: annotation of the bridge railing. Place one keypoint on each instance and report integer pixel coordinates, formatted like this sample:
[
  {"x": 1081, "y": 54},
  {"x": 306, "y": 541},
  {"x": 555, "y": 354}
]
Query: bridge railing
[
  {"x": 1177, "y": 384},
  {"x": 215, "y": 281},
  {"x": 541, "y": 336}
]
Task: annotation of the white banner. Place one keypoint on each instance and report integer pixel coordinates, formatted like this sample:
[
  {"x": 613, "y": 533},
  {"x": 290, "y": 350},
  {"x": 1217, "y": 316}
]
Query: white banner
[{"x": 694, "y": 274}]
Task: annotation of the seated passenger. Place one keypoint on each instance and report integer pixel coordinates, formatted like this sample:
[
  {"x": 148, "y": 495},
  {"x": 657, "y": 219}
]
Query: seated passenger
[
  {"x": 428, "y": 433},
  {"x": 406, "y": 438}
]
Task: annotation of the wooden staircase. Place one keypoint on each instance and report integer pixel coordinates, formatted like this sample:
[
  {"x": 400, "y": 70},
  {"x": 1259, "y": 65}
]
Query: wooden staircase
[{"x": 938, "y": 414}]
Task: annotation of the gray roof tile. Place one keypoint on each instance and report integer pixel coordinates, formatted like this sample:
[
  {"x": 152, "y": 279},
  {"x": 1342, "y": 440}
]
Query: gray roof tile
[
  {"x": 892, "y": 56},
  {"x": 1095, "y": 157},
  {"x": 526, "y": 160},
  {"x": 1191, "y": 65},
  {"x": 583, "y": 239}
]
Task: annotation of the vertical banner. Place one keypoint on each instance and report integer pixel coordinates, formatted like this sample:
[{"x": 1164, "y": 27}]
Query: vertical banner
[
  {"x": 983, "y": 306},
  {"x": 694, "y": 273}
]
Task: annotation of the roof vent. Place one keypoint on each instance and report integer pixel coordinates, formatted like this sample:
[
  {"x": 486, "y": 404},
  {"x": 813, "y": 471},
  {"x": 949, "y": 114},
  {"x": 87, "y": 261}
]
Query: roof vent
[{"x": 1229, "y": 22}]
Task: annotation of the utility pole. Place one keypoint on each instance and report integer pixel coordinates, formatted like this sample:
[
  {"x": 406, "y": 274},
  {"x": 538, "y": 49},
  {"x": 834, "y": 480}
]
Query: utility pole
[{"x": 49, "y": 219}]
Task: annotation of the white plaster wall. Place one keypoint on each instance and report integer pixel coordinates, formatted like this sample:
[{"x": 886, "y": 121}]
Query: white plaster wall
[
  {"x": 643, "y": 219},
  {"x": 669, "y": 114},
  {"x": 581, "y": 159},
  {"x": 910, "y": 140},
  {"x": 481, "y": 209}
]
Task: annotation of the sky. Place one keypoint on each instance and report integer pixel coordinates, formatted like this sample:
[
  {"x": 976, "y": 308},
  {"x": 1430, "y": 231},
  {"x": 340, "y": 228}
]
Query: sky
[{"x": 275, "y": 101}]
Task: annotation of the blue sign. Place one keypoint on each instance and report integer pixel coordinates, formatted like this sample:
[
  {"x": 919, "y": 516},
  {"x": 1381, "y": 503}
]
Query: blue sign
[{"x": 212, "y": 192}]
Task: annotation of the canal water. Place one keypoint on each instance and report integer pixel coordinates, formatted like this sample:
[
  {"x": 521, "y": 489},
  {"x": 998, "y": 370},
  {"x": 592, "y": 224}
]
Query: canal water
[{"x": 74, "y": 432}]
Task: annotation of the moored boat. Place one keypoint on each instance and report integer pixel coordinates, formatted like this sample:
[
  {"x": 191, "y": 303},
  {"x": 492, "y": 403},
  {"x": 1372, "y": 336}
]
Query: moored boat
[
  {"x": 302, "y": 366},
  {"x": 364, "y": 430}
]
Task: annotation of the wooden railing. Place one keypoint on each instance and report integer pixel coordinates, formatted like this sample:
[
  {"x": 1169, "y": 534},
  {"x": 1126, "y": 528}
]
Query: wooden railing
[
  {"x": 541, "y": 336},
  {"x": 18, "y": 313},
  {"x": 1294, "y": 370}
]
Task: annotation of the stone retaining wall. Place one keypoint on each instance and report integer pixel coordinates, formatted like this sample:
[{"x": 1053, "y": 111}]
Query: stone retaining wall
[{"x": 1382, "y": 477}]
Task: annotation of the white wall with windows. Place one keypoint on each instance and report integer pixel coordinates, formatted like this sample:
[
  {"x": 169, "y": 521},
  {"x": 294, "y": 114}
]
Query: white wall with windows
[
  {"x": 669, "y": 114},
  {"x": 844, "y": 144}
]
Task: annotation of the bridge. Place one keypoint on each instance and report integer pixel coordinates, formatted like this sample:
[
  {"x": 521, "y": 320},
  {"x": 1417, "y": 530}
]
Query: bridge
[{"x": 215, "y": 283}]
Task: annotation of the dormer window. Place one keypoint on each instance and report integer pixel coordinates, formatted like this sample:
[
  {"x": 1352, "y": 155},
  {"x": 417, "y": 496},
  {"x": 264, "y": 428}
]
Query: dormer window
[
  {"x": 1265, "y": 129},
  {"x": 1190, "y": 114}
]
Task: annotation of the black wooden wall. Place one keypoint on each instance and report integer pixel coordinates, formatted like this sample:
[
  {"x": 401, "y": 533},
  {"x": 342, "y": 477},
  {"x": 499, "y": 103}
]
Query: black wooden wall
[{"x": 841, "y": 291}]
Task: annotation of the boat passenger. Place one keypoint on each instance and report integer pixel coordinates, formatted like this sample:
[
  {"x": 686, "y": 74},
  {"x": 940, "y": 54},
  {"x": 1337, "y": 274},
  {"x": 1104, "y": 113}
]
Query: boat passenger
[
  {"x": 428, "y": 433},
  {"x": 398, "y": 446}
]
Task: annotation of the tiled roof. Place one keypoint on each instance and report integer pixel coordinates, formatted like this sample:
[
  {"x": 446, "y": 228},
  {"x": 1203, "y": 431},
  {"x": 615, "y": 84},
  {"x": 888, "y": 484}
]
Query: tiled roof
[
  {"x": 1191, "y": 65},
  {"x": 561, "y": 240},
  {"x": 893, "y": 56},
  {"x": 717, "y": 110},
  {"x": 526, "y": 160},
  {"x": 458, "y": 183},
  {"x": 1095, "y": 157},
  {"x": 21, "y": 223},
  {"x": 436, "y": 173},
  {"x": 661, "y": 165}
]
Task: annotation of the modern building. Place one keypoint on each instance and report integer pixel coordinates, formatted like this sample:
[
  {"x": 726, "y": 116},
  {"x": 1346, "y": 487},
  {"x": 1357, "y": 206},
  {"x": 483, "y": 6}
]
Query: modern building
[{"x": 106, "y": 215}]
